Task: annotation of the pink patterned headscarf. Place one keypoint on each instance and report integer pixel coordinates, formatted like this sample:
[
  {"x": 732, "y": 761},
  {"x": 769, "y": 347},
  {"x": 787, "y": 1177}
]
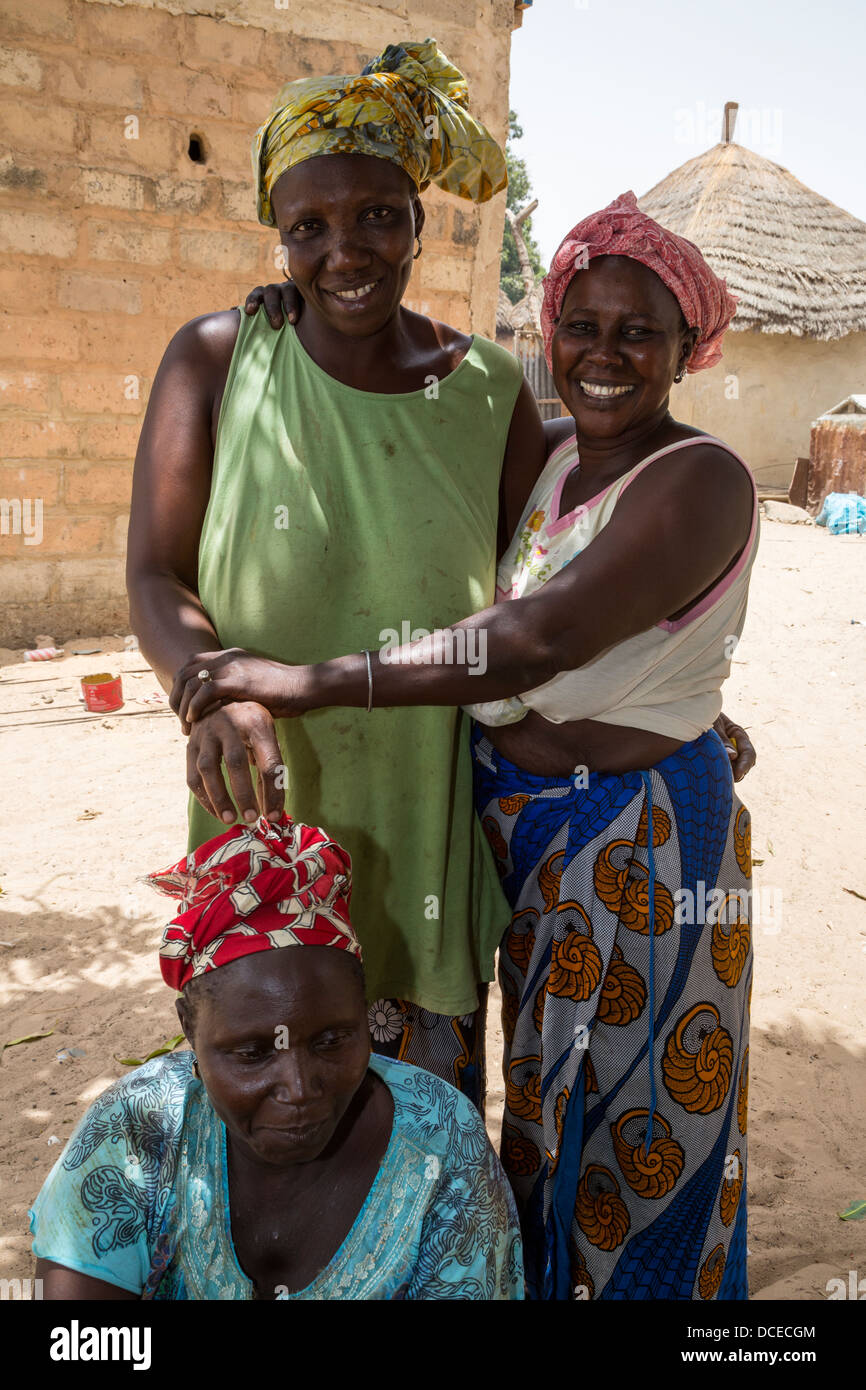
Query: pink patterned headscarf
[{"x": 621, "y": 229}]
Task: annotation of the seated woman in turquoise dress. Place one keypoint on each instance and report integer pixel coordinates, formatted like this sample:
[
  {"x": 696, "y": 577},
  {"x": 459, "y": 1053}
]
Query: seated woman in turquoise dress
[{"x": 278, "y": 1159}]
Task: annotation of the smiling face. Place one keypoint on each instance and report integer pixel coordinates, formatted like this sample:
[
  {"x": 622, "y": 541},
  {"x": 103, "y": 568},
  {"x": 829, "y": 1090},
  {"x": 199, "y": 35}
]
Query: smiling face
[
  {"x": 282, "y": 1045},
  {"x": 349, "y": 223},
  {"x": 620, "y": 340}
]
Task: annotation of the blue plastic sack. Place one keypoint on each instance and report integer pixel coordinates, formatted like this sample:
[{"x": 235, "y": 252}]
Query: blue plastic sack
[{"x": 843, "y": 513}]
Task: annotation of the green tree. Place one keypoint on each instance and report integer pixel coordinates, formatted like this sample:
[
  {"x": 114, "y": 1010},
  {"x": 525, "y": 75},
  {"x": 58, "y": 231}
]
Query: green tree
[{"x": 519, "y": 194}]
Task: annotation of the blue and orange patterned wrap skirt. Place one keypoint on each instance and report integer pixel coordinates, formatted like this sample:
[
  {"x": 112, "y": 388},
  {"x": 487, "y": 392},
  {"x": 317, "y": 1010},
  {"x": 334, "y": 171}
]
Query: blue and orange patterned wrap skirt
[{"x": 616, "y": 1035}]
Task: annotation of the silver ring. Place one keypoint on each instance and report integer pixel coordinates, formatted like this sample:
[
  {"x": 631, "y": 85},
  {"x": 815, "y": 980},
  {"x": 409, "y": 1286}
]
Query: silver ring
[{"x": 204, "y": 676}]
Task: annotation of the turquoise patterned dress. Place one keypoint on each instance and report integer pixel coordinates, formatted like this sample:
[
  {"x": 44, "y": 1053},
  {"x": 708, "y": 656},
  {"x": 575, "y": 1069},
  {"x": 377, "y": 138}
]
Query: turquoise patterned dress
[{"x": 139, "y": 1198}]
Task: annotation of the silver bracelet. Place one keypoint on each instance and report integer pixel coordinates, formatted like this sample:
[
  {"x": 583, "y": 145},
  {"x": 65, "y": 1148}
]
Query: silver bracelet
[{"x": 369, "y": 681}]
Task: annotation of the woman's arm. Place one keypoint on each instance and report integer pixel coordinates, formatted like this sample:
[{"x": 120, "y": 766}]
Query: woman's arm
[
  {"x": 171, "y": 488},
  {"x": 58, "y": 1282},
  {"x": 675, "y": 531},
  {"x": 170, "y": 491}
]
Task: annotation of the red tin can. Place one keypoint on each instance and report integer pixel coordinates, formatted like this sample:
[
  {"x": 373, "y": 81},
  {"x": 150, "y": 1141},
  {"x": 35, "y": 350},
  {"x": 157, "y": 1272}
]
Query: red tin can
[{"x": 102, "y": 693}]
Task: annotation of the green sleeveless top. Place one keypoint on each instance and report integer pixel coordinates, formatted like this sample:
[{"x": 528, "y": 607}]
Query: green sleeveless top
[{"x": 336, "y": 514}]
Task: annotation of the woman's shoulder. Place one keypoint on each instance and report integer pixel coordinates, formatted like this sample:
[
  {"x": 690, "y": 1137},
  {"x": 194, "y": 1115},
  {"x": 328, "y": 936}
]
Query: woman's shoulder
[
  {"x": 496, "y": 354},
  {"x": 458, "y": 345},
  {"x": 431, "y": 1112},
  {"x": 695, "y": 445},
  {"x": 689, "y": 462},
  {"x": 208, "y": 339},
  {"x": 145, "y": 1107}
]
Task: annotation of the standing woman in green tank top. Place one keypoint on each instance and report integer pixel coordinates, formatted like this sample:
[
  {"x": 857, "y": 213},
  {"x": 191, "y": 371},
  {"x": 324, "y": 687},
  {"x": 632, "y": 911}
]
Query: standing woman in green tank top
[{"x": 303, "y": 492}]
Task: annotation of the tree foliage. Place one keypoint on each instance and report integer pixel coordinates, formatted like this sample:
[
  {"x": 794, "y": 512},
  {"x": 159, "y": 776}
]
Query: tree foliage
[{"x": 519, "y": 194}]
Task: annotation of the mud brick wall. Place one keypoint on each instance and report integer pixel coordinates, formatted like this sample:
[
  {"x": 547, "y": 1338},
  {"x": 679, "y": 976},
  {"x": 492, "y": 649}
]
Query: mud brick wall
[{"x": 112, "y": 236}]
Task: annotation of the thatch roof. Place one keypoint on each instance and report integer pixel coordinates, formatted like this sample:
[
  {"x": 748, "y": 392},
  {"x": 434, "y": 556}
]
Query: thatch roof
[
  {"x": 504, "y": 310},
  {"x": 526, "y": 313},
  {"x": 852, "y": 405},
  {"x": 796, "y": 261},
  {"x": 848, "y": 414}
]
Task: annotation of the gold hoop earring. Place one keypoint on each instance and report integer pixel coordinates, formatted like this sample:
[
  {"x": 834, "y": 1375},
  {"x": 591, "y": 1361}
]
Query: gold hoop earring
[{"x": 418, "y": 252}]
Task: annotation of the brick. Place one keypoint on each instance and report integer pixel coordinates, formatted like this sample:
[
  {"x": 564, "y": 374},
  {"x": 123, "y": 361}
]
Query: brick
[
  {"x": 286, "y": 56},
  {"x": 97, "y": 82},
  {"x": 31, "y": 480},
  {"x": 36, "y": 234},
  {"x": 112, "y": 439},
  {"x": 437, "y": 221},
  {"x": 28, "y": 285},
  {"x": 28, "y": 389},
  {"x": 120, "y": 525},
  {"x": 462, "y": 12},
  {"x": 24, "y": 537},
  {"x": 52, "y": 18},
  {"x": 155, "y": 149},
  {"x": 125, "y": 241},
  {"x": 448, "y": 273},
  {"x": 73, "y": 535},
  {"x": 447, "y": 308},
  {"x": 105, "y": 484},
  {"x": 171, "y": 91},
  {"x": 78, "y": 290},
  {"x": 20, "y": 69},
  {"x": 466, "y": 227},
  {"x": 121, "y": 30},
  {"x": 239, "y": 201},
  {"x": 101, "y": 393},
  {"x": 25, "y": 580},
  {"x": 44, "y": 337},
  {"x": 221, "y": 250},
  {"x": 108, "y": 189},
  {"x": 180, "y": 195},
  {"x": 227, "y": 149},
  {"x": 206, "y": 41},
  {"x": 253, "y": 105},
  {"x": 36, "y": 126},
  {"x": 19, "y": 174},
  {"x": 188, "y": 293},
  {"x": 29, "y": 439},
  {"x": 125, "y": 344},
  {"x": 92, "y": 578}
]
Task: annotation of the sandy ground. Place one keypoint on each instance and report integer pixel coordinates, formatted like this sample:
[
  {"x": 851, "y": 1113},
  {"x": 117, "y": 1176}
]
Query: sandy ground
[{"x": 90, "y": 805}]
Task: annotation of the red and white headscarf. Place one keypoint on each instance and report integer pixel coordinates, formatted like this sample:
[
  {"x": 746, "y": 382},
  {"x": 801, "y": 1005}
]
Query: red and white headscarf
[
  {"x": 254, "y": 889},
  {"x": 621, "y": 229}
]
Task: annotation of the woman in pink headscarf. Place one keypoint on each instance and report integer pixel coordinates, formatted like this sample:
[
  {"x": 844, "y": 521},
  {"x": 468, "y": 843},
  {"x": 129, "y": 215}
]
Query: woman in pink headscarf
[{"x": 606, "y": 795}]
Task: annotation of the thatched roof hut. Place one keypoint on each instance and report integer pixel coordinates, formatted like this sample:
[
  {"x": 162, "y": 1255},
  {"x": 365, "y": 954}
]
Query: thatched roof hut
[
  {"x": 504, "y": 324},
  {"x": 526, "y": 313},
  {"x": 796, "y": 260},
  {"x": 504, "y": 309},
  {"x": 798, "y": 264}
]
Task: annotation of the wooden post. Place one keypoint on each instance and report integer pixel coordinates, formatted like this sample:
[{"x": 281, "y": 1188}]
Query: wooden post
[
  {"x": 515, "y": 222},
  {"x": 729, "y": 121}
]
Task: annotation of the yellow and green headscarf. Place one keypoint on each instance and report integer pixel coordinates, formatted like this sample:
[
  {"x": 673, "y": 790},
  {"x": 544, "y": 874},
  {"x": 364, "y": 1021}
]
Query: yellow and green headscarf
[{"x": 409, "y": 106}]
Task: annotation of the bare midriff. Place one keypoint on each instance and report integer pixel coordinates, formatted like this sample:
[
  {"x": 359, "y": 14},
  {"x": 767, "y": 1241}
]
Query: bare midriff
[{"x": 540, "y": 746}]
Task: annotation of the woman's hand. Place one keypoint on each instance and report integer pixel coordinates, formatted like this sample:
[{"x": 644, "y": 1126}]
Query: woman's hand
[
  {"x": 238, "y": 675},
  {"x": 241, "y": 736},
  {"x": 279, "y": 299},
  {"x": 738, "y": 746}
]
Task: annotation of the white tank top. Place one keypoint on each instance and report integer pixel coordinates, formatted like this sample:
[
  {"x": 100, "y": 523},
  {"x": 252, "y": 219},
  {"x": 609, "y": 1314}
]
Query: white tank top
[{"x": 666, "y": 680}]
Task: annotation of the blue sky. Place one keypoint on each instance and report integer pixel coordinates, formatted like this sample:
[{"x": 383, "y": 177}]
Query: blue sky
[{"x": 614, "y": 95}]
